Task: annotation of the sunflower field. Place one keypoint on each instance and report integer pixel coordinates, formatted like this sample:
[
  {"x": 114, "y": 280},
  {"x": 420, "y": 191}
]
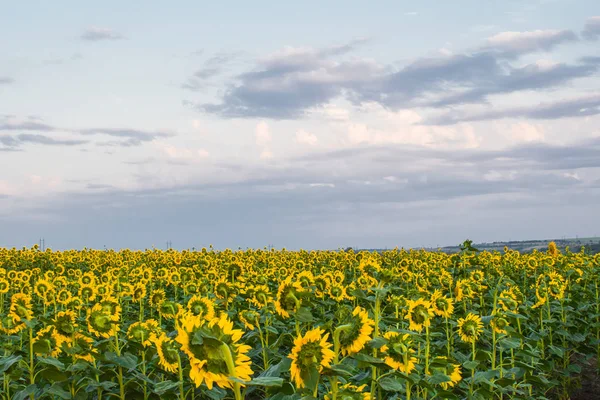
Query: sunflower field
[{"x": 266, "y": 324}]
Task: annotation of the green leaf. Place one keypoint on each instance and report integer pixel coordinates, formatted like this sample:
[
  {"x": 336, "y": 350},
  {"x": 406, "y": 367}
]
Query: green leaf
[
  {"x": 438, "y": 378},
  {"x": 27, "y": 392},
  {"x": 165, "y": 386},
  {"x": 377, "y": 342},
  {"x": 127, "y": 360},
  {"x": 266, "y": 381},
  {"x": 368, "y": 359},
  {"x": 56, "y": 390},
  {"x": 304, "y": 315},
  {"x": 53, "y": 362},
  {"x": 471, "y": 365},
  {"x": 391, "y": 384},
  {"x": 7, "y": 362}
]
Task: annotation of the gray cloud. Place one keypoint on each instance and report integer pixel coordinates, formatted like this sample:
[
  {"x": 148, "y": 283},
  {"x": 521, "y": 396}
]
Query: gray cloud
[
  {"x": 591, "y": 31},
  {"x": 575, "y": 107},
  {"x": 514, "y": 44},
  {"x": 15, "y": 141},
  {"x": 212, "y": 67},
  {"x": 353, "y": 206},
  {"x": 96, "y": 34},
  {"x": 5, "y": 80},
  {"x": 135, "y": 134},
  {"x": 287, "y": 84},
  {"x": 28, "y": 125}
]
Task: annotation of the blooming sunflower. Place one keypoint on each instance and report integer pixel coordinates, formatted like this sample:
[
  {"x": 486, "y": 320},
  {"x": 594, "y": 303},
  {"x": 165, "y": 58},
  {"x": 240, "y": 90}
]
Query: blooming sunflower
[
  {"x": 442, "y": 306},
  {"x": 399, "y": 353},
  {"x": 287, "y": 297},
  {"x": 355, "y": 333},
  {"x": 210, "y": 346},
  {"x": 47, "y": 342},
  {"x": 139, "y": 332},
  {"x": 351, "y": 392},
  {"x": 82, "y": 348},
  {"x": 311, "y": 351},
  {"x": 100, "y": 323},
  {"x": 249, "y": 318},
  {"x": 469, "y": 328},
  {"x": 4, "y": 286},
  {"x": 65, "y": 324},
  {"x": 449, "y": 369},
  {"x": 157, "y": 297},
  {"x": 20, "y": 306},
  {"x": 9, "y": 325},
  {"x": 419, "y": 314},
  {"x": 202, "y": 307},
  {"x": 168, "y": 354}
]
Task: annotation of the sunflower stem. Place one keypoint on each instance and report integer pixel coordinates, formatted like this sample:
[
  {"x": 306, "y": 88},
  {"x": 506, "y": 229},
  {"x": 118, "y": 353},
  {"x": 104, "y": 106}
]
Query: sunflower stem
[
  {"x": 180, "y": 370},
  {"x": 31, "y": 363},
  {"x": 226, "y": 351},
  {"x": 336, "y": 357},
  {"x": 375, "y": 334}
]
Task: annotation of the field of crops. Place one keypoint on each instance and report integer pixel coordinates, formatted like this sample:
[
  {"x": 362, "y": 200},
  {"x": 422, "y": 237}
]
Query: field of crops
[{"x": 260, "y": 324}]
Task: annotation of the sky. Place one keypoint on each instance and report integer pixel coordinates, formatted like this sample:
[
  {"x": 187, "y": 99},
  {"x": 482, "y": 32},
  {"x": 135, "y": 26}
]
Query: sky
[{"x": 298, "y": 124}]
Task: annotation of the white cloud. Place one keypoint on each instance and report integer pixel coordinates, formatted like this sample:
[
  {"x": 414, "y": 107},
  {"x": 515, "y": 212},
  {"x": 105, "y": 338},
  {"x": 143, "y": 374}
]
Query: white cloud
[
  {"x": 303, "y": 137},
  {"x": 263, "y": 134}
]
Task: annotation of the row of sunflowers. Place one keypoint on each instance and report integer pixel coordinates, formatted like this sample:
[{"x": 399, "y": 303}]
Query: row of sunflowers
[{"x": 258, "y": 324}]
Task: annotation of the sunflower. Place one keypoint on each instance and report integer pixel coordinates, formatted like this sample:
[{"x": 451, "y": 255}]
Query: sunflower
[
  {"x": 249, "y": 318},
  {"x": 87, "y": 292},
  {"x": 210, "y": 346},
  {"x": 20, "y": 307},
  {"x": 449, "y": 369},
  {"x": 338, "y": 292},
  {"x": 11, "y": 325},
  {"x": 508, "y": 301},
  {"x": 65, "y": 324},
  {"x": 202, "y": 307},
  {"x": 311, "y": 351},
  {"x": 419, "y": 314},
  {"x": 140, "y": 333},
  {"x": 261, "y": 296},
  {"x": 355, "y": 333},
  {"x": 47, "y": 342},
  {"x": 168, "y": 309},
  {"x": 287, "y": 300},
  {"x": 100, "y": 323},
  {"x": 4, "y": 286},
  {"x": 499, "y": 324},
  {"x": 168, "y": 354},
  {"x": 399, "y": 353},
  {"x": 157, "y": 297},
  {"x": 82, "y": 348},
  {"x": 442, "y": 306},
  {"x": 469, "y": 328},
  {"x": 139, "y": 292},
  {"x": 74, "y": 303},
  {"x": 352, "y": 392}
]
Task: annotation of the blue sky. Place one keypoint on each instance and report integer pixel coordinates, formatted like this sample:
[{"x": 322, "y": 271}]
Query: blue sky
[{"x": 298, "y": 124}]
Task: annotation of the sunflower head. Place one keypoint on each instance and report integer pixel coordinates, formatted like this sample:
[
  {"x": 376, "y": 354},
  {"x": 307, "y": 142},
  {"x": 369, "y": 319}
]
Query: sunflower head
[
  {"x": 355, "y": 332},
  {"x": 65, "y": 324},
  {"x": 100, "y": 323},
  {"x": 202, "y": 307},
  {"x": 470, "y": 328},
  {"x": 20, "y": 306},
  {"x": 499, "y": 324},
  {"x": 140, "y": 333},
  {"x": 398, "y": 351},
  {"x": 310, "y": 353},
  {"x": 168, "y": 352},
  {"x": 419, "y": 314}
]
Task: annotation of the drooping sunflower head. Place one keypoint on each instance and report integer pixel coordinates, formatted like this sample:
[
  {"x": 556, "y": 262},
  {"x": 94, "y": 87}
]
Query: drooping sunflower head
[
  {"x": 351, "y": 392},
  {"x": 140, "y": 333},
  {"x": 42, "y": 287},
  {"x": 419, "y": 314},
  {"x": 168, "y": 309},
  {"x": 139, "y": 292},
  {"x": 87, "y": 292},
  {"x": 398, "y": 351},
  {"x": 338, "y": 292},
  {"x": 47, "y": 342},
  {"x": 451, "y": 370},
  {"x": 470, "y": 328},
  {"x": 100, "y": 323},
  {"x": 249, "y": 318},
  {"x": 168, "y": 353},
  {"x": 4, "y": 286},
  {"x": 261, "y": 296},
  {"x": 442, "y": 306},
  {"x": 508, "y": 301},
  {"x": 202, "y": 307},
  {"x": 157, "y": 297},
  {"x": 355, "y": 332},
  {"x": 65, "y": 323},
  {"x": 499, "y": 324},
  {"x": 310, "y": 352},
  {"x": 10, "y": 325},
  {"x": 20, "y": 306},
  {"x": 288, "y": 300},
  {"x": 82, "y": 348},
  {"x": 210, "y": 345}
]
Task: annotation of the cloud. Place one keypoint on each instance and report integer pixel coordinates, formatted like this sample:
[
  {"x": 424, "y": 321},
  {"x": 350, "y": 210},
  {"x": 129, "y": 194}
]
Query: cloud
[
  {"x": 582, "y": 106},
  {"x": 297, "y": 81},
  {"x": 263, "y": 134},
  {"x": 96, "y": 34},
  {"x": 5, "y": 80},
  {"x": 513, "y": 44},
  {"x": 15, "y": 141},
  {"x": 303, "y": 137},
  {"x": 591, "y": 31},
  {"x": 133, "y": 137},
  {"x": 212, "y": 67},
  {"x": 15, "y": 124}
]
